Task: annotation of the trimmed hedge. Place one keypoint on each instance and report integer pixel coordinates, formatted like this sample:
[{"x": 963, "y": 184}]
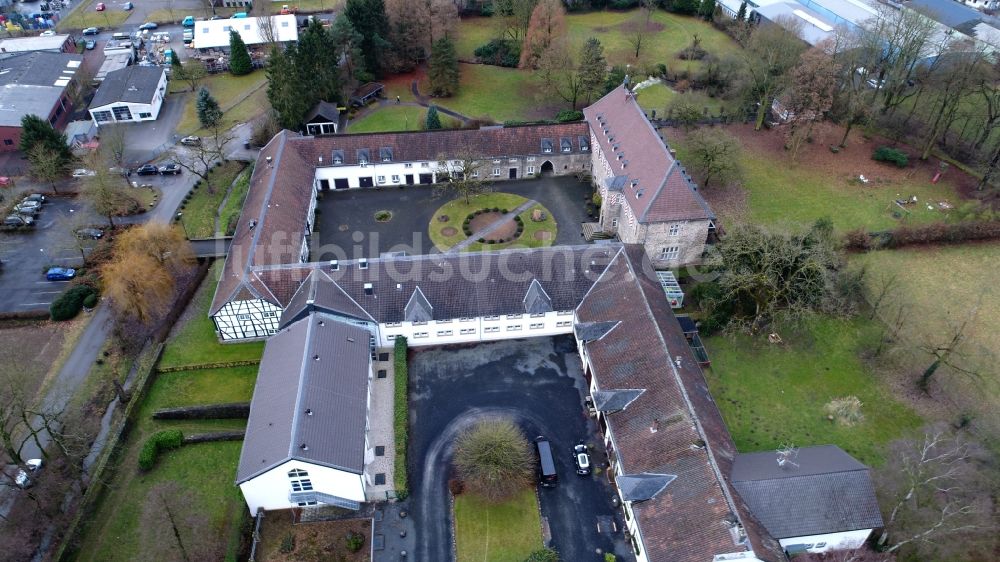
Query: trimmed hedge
[
  {"x": 161, "y": 441},
  {"x": 216, "y": 365},
  {"x": 240, "y": 410},
  {"x": 215, "y": 436},
  {"x": 401, "y": 414},
  {"x": 68, "y": 304},
  {"x": 933, "y": 233},
  {"x": 892, "y": 156}
]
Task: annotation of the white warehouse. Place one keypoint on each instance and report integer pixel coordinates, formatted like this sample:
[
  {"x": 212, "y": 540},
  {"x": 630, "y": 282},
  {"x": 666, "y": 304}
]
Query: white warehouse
[{"x": 129, "y": 95}]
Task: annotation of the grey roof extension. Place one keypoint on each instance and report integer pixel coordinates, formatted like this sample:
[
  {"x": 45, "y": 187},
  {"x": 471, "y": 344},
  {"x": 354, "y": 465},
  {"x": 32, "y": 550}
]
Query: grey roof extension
[
  {"x": 417, "y": 308},
  {"x": 642, "y": 487},
  {"x": 820, "y": 490},
  {"x": 537, "y": 301},
  {"x": 310, "y": 400},
  {"x": 615, "y": 400},
  {"x": 133, "y": 84}
]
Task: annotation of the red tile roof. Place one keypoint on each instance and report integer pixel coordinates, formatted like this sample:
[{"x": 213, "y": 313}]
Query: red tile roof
[
  {"x": 690, "y": 520},
  {"x": 658, "y": 188}
]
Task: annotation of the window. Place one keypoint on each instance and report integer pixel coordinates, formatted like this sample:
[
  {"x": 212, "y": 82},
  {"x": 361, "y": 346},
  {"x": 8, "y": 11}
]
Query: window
[
  {"x": 494, "y": 317},
  {"x": 300, "y": 480},
  {"x": 531, "y": 169},
  {"x": 514, "y": 328},
  {"x": 408, "y": 165},
  {"x": 444, "y": 333},
  {"x": 530, "y": 159},
  {"x": 419, "y": 323},
  {"x": 475, "y": 173},
  {"x": 491, "y": 329},
  {"x": 565, "y": 313},
  {"x": 669, "y": 253},
  {"x": 675, "y": 229},
  {"x": 614, "y": 223},
  {"x": 538, "y": 315},
  {"x": 393, "y": 324},
  {"x": 497, "y": 161},
  {"x": 420, "y": 334},
  {"x": 122, "y": 113},
  {"x": 307, "y": 504},
  {"x": 512, "y": 161},
  {"x": 283, "y": 24},
  {"x": 243, "y": 317},
  {"x": 514, "y": 316},
  {"x": 146, "y": 115},
  {"x": 395, "y": 178},
  {"x": 425, "y": 165},
  {"x": 8, "y": 142},
  {"x": 565, "y": 324},
  {"x": 442, "y": 321},
  {"x": 379, "y": 450},
  {"x": 381, "y": 179},
  {"x": 820, "y": 545},
  {"x": 496, "y": 171},
  {"x": 467, "y": 331},
  {"x": 225, "y": 28},
  {"x": 391, "y": 337},
  {"x": 338, "y": 160},
  {"x": 269, "y": 314},
  {"x": 466, "y": 319},
  {"x": 537, "y": 326}
]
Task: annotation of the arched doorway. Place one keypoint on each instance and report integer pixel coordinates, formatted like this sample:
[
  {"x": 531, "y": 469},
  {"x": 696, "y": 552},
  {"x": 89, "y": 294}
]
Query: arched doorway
[{"x": 546, "y": 169}]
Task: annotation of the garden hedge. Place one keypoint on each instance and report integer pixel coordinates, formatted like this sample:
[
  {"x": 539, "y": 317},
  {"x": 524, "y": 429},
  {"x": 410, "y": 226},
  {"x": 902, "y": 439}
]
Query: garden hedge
[
  {"x": 166, "y": 440},
  {"x": 68, "y": 304},
  {"x": 933, "y": 233},
  {"x": 891, "y": 155},
  {"x": 239, "y": 410},
  {"x": 401, "y": 414}
]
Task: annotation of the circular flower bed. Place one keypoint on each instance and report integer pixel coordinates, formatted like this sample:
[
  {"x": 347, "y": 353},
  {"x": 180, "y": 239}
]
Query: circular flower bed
[{"x": 502, "y": 231}]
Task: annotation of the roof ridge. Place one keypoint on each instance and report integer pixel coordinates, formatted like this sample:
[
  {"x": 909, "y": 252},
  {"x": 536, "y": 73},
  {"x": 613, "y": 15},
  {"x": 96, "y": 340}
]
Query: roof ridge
[{"x": 302, "y": 384}]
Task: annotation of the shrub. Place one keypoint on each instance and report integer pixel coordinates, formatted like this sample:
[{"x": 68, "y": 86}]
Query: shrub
[
  {"x": 494, "y": 459},
  {"x": 933, "y": 233},
  {"x": 68, "y": 304},
  {"x": 845, "y": 411},
  {"x": 891, "y": 155},
  {"x": 287, "y": 544},
  {"x": 355, "y": 541},
  {"x": 401, "y": 412},
  {"x": 455, "y": 486},
  {"x": 543, "y": 555},
  {"x": 499, "y": 52},
  {"x": 90, "y": 301},
  {"x": 159, "y": 442},
  {"x": 569, "y": 115},
  {"x": 383, "y": 216}
]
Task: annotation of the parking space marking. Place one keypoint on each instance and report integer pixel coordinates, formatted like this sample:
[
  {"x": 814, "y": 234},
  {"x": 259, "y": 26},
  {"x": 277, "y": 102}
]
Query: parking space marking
[{"x": 46, "y": 303}]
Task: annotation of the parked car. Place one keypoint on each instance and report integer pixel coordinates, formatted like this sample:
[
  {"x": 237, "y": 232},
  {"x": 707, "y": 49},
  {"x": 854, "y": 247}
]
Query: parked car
[
  {"x": 18, "y": 221},
  {"x": 91, "y": 31},
  {"x": 148, "y": 25},
  {"x": 170, "y": 168},
  {"x": 60, "y": 273},
  {"x": 191, "y": 141},
  {"x": 581, "y": 459},
  {"x": 23, "y": 478},
  {"x": 89, "y": 44},
  {"x": 128, "y": 6},
  {"x": 188, "y": 36},
  {"x": 90, "y": 233},
  {"x": 48, "y": 33},
  {"x": 35, "y": 197},
  {"x": 188, "y": 21},
  {"x": 28, "y": 208},
  {"x": 147, "y": 170},
  {"x": 83, "y": 172},
  {"x": 547, "y": 476},
  {"x": 100, "y": 7}
]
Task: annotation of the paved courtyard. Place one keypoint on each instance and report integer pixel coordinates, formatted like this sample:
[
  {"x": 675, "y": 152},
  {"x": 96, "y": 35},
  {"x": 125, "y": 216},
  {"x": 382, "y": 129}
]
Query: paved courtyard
[
  {"x": 348, "y": 230},
  {"x": 538, "y": 383}
]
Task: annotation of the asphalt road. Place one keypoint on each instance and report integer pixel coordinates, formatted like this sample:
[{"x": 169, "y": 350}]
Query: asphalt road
[{"x": 536, "y": 382}]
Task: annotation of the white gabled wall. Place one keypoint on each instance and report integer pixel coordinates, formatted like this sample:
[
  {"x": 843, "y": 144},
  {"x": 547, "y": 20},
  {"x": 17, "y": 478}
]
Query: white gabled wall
[
  {"x": 153, "y": 108},
  {"x": 246, "y": 320},
  {"x": 845, "y": 540},
  {"x": 270, "y": 490},
  {"x": 465, "y": 330}
]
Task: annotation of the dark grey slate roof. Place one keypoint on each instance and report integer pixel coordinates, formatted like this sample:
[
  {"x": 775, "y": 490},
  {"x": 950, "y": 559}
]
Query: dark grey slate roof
[
  {"x": 536, "y": 300},
  {"x": 323, "y": 112},
  {"x": 417, "y": 308},
  {"x": 310, "y": 399},
  {"x": 615, "y": 400},
  {"x": 136, "y": 84},
  {"x": 642, "y": 487},
  {"x": 319, "y": 292},
  {"x": 616, "y": 183},
  {"x": 590, "y": 331},
  {"x": 821, "y": 490}
]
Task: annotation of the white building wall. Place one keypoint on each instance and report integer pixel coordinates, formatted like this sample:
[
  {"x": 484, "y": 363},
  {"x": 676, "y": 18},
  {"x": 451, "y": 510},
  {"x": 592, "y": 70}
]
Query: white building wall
[
  {"x": 270, "y": 490},
  {"x": 467, "y": 330},
  {"x": 152, "y": 108},
  {"x": 246, "y": 320},
  {"x": 845, "y": 540}
]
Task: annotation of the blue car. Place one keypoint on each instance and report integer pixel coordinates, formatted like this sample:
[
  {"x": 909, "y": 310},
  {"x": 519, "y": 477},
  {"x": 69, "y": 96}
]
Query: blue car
[{"x": 60, "y": 274}]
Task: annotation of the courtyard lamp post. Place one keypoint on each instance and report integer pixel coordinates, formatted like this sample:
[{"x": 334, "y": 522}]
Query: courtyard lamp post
[{"x": 180, "y": 219}]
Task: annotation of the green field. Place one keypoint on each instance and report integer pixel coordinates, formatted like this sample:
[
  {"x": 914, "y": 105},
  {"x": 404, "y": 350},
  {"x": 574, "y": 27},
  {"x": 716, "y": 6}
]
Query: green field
[
  {"x": 200, "y": 212},
  {"x": 241, "y": 98},
  {"x": 506, "y": 532},
  {"x": 234, "y": 205},
  {"x": 773, "y": 395},
  {"x": 85, "y": 15},
  {"x": 397, "y": 118},
  {"x": 498, "y": 94},
  {"x": 193, "y": 340}
]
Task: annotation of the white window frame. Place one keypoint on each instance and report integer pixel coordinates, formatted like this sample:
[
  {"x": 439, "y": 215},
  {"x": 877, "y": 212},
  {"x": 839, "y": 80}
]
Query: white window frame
[
  {"x": 537, "y": 326},
  {"x": 395, "y": 178},
  {"x": 496, "y": 172},
  {"x": 408, "y": 165},
  {"x": 244, "y": 317},
  {"x": 531, "y": 169},
  {"x": 380, "y": 179},
  {"x": 670, "y": 253},
  {"x": 674, "y": 229},
  {"x": 443, "y": 333},
  {"x": 514, "y": 328}
]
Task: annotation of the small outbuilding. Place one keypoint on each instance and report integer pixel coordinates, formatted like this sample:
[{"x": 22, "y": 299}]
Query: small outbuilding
[
  {"x": 366, "y": 94},
  {"x": 214, "y": 34},
  {"x": 130, "y": 95},
  {"x": 322, "y": 119}
]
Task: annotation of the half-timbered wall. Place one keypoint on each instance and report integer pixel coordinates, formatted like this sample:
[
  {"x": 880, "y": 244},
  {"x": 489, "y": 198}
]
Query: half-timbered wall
[{"x": 246, "y": 320}]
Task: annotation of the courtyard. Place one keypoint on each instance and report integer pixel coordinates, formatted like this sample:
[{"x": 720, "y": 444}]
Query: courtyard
[
  {"x": 348, "y": 229},
  {"x": 536, "y": 382}
]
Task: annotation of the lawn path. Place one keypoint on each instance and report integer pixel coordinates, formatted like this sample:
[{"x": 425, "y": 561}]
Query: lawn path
[
  {"x": 424, "y": 101},
  {"x": 491, "y": 227}
]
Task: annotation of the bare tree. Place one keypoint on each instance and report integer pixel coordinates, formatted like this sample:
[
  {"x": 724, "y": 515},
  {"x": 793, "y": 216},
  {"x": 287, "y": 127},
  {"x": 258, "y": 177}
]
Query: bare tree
[
  {"x": 948, "y": 352},
  {"x": 466, "y": 176},
  {"x": 813, "y": 80},
  {"x": 113, "y": 145},
  {"x": 47, "y": 165},
  {"x": 193, "y": 72},
  {"x": 639, "y": 26},
  {"x": 771, "y": 51},
  {"x": 714, "y": 155},
  {"x": 560, "y": 74},
  {"x": 512, "y": 17},
  {"x": 932, "y": 490},
  {"x": 200, "y": 159},
  {"x": 546, "y": 26}
]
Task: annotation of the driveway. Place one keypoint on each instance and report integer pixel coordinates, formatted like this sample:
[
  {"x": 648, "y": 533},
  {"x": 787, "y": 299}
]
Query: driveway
[
  {"x": 538, "y": 383},
  {"x": 148, "y": 139},
  {"x": 348, "y": 230}
]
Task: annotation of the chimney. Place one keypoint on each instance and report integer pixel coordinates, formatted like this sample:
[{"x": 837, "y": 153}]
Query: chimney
[
  {"x": 334, "y": 265},
  {"x": 369, "y": 289},
  {"x": 309, "y": 411},
  {"x": 363, "y": 263},
  {"x": 677, "y": 360},
  {"x": 656, "y": 426},
  {"x": 304, "y": 447},
  {"x": 268, "y": 159}
]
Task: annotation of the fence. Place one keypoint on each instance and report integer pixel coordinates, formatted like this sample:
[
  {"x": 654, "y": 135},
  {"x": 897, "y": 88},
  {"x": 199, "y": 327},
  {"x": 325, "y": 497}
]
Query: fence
[{"x": 255, "y": 541}]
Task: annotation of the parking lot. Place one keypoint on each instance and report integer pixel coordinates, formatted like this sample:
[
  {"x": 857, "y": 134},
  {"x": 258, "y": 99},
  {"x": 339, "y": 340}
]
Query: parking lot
[
  {"x": 538, "y": 383},
  {"x": 347, "y": 223}
]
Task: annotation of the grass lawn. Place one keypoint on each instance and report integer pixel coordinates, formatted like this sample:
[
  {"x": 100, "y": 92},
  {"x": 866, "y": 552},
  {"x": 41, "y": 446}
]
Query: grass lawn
[
  {"x": 458, "y": 209},
  {"x": 200, "y": 212},
  {"x": 306, "y": 6},
  {"x": 774, "y": 395},
  {"x": 506, "y": 532},
  {"x": 938, "y": 288},
  {"x": 657, "y": 96},
  {"x": 147, "y": 197},
  {"x": 234, "y": 205},
  {"x": 497, "y": 93},
  {"x": 786, "y": 194},
  {"x": 240, "y": 97},
  {"x": 397, "y": 118},
  {"x": 202, "y": 386},
  {"x": 529, "y": 237},
  {"x": 193, "y": 340},
  {"x": 85, "y": 15}
]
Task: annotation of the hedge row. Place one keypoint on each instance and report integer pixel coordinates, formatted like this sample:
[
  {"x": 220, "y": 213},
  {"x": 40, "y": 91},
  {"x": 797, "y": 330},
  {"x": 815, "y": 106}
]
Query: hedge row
[
  {"x": 218, "y": 365},
  {"x": 165, "y": 440},
  {"x": 234, "y": 411},
  {"x": 215, "y": 436},
  {"x": 68, "y": 304},
  {"x": 933, "y": 233},
  {"x": 401, "y": 415}
]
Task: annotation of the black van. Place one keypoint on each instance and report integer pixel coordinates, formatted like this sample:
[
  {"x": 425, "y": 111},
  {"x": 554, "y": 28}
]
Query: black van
[{"x": 546, "y": 466}]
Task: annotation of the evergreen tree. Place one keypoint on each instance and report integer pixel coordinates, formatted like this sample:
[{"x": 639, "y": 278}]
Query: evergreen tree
[
  {"x": 593, "y": 69},
  {"x": 316, "y": 64},
  {"x": 433, "y": 120},
  {"x": 370, "y": 21},
  {"x": 347, "y": 41},
  {"x": 443, "y": 71},
  {"x": 37, "y": 131},
  {"x": 209, "y": 114},
  {"x": 741, "y": 15},
  {"x": 707, "y": 9},
  {"x": 175, "y": 65},
  {"x": 239, "y": 57},
  {"x": 288, "y": 101}
]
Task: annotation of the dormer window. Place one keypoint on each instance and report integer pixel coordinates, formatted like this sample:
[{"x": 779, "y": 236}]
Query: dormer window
[
  {"x": 363, "y": 157},
  {"x": 385, "y": 153},
  {"x": 547, "y": 146},
  {"x": 584, "y": 144},
  {"x": 565, "y": 145}
]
